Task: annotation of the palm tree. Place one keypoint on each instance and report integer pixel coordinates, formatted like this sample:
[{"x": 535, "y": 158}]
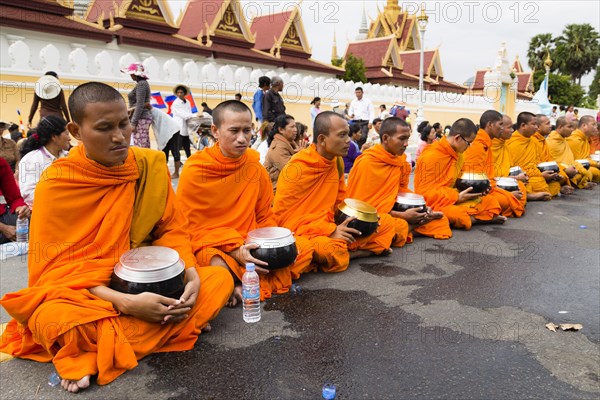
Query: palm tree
[
  {"x": 539, "y": 45},
  {"x": 577, "y": 51}
]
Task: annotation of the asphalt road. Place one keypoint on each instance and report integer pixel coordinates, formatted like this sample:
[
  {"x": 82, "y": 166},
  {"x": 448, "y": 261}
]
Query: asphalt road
[{"x": 463, "y": 318}]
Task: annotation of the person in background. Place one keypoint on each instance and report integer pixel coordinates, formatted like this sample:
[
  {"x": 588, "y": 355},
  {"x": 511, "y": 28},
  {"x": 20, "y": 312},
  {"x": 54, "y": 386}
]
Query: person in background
[
  {"x": 439, "y": 132},
  {"x": 141, "y": 116},
  {"x": 50, "y": 97},
  {"x": 264, "y": 82},
  {"x": 182, "y": 113},
  {"x": 353, "y": 150},
  {"x": 346, "y": 112},
  {"x": 553, "y": 117},
  {"x": 315, "y": 109},
  {"x": 361, "y": 112},
  {"x": 15, "y": 206},
  {"x": 427, "y": 136},
  {"x": 282, "y": 146},
  {"x": 8, "y": 148},
  {"x": 570, "y": 114},
  {"x": 49, "y": 143},
  {"x": 302, "y": 139},
  {"x": 206, "y": 108},
  {"x": 273, "y": 105},
  {"x": 383, "y": 113},
  {"x": 373, "y": 137},
  {"x": 576, "y": 115},
  {"x": 15, "y": 132},
  {"x": 238, "y": 97}
]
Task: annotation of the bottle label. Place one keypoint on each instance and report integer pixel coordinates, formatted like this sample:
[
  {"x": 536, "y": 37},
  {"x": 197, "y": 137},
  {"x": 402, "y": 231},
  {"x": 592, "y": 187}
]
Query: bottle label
[{"x": 251, "y": 292}]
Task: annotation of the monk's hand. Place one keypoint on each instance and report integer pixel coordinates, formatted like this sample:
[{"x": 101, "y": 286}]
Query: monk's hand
[
  {"x": 518, "y": 194},
  {"x": 549, "y": 176},
  {"x": 152, "y": 307},
  {"x": 23, "y": 212},
  {"x": 190, "y": 293},
  {"x": 431, "y": 215},
  {"x": 242, "y": 255},
  {"x": 466, "y": 195},
  {"x": 413, "y": 216},
  {"x": 523, "y": 177},
  {"x": 344, "y": 232}
]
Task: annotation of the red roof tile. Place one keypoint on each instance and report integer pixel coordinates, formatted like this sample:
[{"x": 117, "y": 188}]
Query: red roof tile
[
  {"x": 371, "y": 51},
  {"x": 412, "y": 61},
  {"x": 268, "y": 28},
  {"x": 197, "y": 15},
  {"x": 523, "y": 81},
  {"x": 517, "y": 67},
  {"x": 479, "y": 80},
  {"x": 102, "y": 8},
  {"x": 406, "y": 30}
]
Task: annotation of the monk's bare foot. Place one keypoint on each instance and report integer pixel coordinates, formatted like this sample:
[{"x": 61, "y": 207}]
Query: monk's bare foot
[
  {"x": 436, "y": 215},
  {"x": 589, "y": 186},
  {"x": 566, "y": 190},
  {"x": 539, "y": 196},
  {"x": 75, "y": 386},
  {"x": 498, "y": 219},
  {"x": 207, "y": 328},
  {"x": 236, "y": 296}
]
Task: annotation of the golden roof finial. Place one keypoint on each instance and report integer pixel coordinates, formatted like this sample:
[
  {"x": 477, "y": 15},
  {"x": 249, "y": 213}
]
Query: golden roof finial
[{"x": 548, "y": 61}]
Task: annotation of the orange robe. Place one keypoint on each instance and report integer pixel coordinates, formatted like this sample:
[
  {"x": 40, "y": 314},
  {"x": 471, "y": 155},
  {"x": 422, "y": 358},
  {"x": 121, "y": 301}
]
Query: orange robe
[
  {"x": 544, "y": 155},
  {"x": 479, "y": 158},
  {"x": 224, "y": 199},
  {"x": 582, "y": 149},
  {"x": 502, "y": 164},
  {"x": 377, "y": 177},
  {"x": 561, "y": 152},
  {"x": 523, "y": 153},
  {"x": 435, "y": 175},
  {"x": 308, "y": 191},
  {"x": 595, "y": 143},
  {"x": 82, "y": 223}
]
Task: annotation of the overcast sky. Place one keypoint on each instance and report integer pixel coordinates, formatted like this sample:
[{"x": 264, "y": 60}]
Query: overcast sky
[{"x": 468, "y": 33}]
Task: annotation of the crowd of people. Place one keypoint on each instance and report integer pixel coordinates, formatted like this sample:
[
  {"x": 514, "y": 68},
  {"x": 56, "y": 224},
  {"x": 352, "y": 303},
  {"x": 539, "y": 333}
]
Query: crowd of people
[{"x": 105, "y": 196}]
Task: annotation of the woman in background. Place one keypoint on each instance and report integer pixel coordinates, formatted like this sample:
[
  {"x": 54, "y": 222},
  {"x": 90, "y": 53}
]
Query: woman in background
[
  {"x": 282, "y": 146},
  {"x": 141, "y": 116}
]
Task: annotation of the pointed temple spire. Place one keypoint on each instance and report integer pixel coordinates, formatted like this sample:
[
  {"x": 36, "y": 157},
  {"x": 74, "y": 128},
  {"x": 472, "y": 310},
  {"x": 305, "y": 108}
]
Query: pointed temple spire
[{"x": 363, "y": 32}]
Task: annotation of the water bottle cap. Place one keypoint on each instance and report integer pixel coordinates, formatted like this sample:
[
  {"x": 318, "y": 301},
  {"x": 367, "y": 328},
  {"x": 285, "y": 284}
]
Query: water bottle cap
[
  {"x": 329, "y": 390},
  {"x": 250, "y": 267}
]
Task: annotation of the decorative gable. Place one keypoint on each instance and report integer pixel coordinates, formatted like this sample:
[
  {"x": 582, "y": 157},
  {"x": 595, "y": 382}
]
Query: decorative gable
[
  {"x": 229, "y": 24},
  {"x": 145, "y": 10},
  {"x": 292, "y": 38}
]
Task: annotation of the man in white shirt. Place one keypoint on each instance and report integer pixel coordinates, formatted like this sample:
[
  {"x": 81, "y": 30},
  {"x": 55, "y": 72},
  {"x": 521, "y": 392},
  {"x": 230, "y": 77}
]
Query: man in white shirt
[{"x": 361, "y": 112}]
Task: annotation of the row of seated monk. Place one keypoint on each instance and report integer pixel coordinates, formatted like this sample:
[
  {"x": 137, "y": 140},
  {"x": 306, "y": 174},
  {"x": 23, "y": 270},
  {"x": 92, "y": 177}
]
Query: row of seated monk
[{"x": 106, "y": 198}]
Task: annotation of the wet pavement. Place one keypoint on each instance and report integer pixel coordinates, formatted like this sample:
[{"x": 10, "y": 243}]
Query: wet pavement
[{"x": 463, "y": 318}]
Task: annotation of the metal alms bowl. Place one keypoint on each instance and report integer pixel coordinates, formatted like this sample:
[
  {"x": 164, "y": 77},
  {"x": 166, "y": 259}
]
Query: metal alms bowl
[
  {"x": 153, "y": 269},
  {"x": 548, "y": 166},
  {"x": 515, "y": 171},
  {"x": 585, "y": 163},
  {"x": 406, "y": 201},
  {"x": 277, "y": 246},
  {"x": 366, "y": 221},
  {"x": 478, "y": 181},
  {"x": 509, "y": 184}
]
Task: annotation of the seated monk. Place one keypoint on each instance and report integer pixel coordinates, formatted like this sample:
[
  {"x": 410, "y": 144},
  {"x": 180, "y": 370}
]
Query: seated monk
[
  {"x": 595, "y": 139},
  {"x": 439, "y": 166},
  {"x": 102, "y": 200},
  {"x": 479, "y": 158},
  {"x": 561, "y": 152},
  {"x": 382, "y": 172},
  {"x": 539, "y": 139},
  {"x": 309, "y": 189},
  {"x": 225, "y": 193},
  {"x": 523, "y": 153},
  {"x": 580, "y": 145}
]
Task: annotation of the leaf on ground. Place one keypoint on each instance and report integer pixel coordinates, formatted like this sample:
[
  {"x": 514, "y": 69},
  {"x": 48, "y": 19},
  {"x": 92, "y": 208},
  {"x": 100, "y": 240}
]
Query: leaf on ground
[
  {"x": 551, "y": 326},
  {"x": 570, "y": 327}
]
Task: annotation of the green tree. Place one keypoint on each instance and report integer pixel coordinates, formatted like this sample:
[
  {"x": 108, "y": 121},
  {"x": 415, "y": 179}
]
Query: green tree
[
  {"x": 560, "y": 89},
  {"x": 577, "y": 51},
  {"x": 594, "y": 90},
  {"x": 355, "y": 69},
  {"x": 539, "y": 46}
]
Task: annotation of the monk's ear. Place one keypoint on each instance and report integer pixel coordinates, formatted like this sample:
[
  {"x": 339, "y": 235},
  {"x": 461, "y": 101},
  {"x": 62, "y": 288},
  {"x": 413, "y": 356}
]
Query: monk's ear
[
  {"x": 215, "y": 131},
  {"x": 74, "y": 130}
]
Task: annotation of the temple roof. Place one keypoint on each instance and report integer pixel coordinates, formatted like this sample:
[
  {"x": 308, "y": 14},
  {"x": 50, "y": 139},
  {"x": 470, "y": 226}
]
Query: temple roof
[
  {"x": 376, "y": 52},
  {"x": 517, "y": 67},
  {"x": 281, "y": 30},
  {"x": 431, "y": 61},
  {"x": 140, "y": 14}
]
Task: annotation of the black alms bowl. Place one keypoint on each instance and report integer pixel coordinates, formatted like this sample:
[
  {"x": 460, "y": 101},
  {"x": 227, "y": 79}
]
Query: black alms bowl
[
  {"x": 584, "y": 163},
  {"x": 478, "y": 181},
  {"x": 277, "y": 246},
  {"x": 153, "y": 269},
  {"x": 515, "y": 171},
  {"x": 406, "y": 201},
  {"x": 366, "y": 221},
  {"x": 548, "y": 166},
  {"x": 509, "y": 184}
]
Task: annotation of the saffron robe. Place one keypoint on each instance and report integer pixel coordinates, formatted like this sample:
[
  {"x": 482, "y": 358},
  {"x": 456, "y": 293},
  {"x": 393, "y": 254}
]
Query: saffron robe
[
  {"x": 561, "y": 153},
  {"x": 309, "y": 189},
  {"x": 479, "y": 158},
  {"x": 502, "y": 164},
  {"x": 524, "y": 153},
  {"x": 377, "y": 177},
  {"x": 224, "y": 199},
  {"x": 582, "y": 149},
  {"x": 435, "y": 175},
  {"x": 544, "y": 155},
  {"x": 86, "y": 217}
]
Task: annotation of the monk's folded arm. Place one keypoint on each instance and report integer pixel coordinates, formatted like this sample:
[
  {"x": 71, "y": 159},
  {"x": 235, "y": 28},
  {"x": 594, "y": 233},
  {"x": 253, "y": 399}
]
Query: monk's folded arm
[{"x": 264, "y": 212}]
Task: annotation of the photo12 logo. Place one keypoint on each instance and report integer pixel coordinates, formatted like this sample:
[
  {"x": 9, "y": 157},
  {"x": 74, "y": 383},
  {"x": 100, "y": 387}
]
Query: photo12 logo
[{"x": 477, "y": 11}]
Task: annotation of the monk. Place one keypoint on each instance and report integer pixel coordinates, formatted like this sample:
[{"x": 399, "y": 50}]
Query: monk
[
  {"x": 539, "y": 139},
  {"x": 579, "y": 141},
  {"x": 479, "y": 158},
  {"x": 382, "y": 172},
  {"x": 309, "y": 189},
  {"x": 561, "y": 152},
  {"x": 437, "y": 170},
  {"x": 102, "y": 200},
  {"x": 225, "y": 193},
  {"x": 523, "y": 153},
  {"x": 502, "y": 161}
]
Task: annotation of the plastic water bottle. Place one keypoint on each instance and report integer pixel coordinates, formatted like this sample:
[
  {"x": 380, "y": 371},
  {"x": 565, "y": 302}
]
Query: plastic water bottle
[
  {"x": 329, "y": 390},
  {"x": 251, "y": 294},
  {"x": 22, "y": 230}
]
